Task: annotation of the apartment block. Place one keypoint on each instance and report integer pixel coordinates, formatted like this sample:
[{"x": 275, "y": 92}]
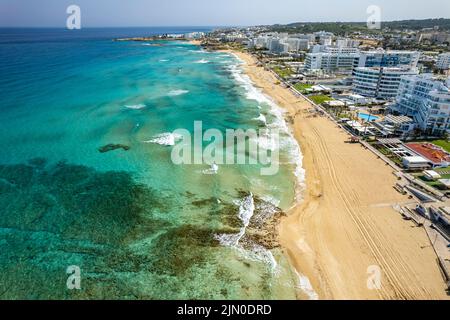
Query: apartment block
[
  {"x": 443, "y": 61},
  {"x": 382, "y": 58},
  {"x": 427, "y": 100},
  {"x": 380, "y": 83}
]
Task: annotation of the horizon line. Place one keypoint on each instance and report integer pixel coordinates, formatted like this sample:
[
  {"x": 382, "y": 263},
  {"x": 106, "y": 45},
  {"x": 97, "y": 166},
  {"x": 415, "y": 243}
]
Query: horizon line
[{"x": 216, "y": 26}]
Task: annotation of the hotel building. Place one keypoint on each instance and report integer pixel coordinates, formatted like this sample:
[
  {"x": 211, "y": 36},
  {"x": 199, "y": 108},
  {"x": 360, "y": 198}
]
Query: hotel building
[
  {"x": 380, "y": 83},
  {"x": 427, "y": 101},
  {"x": 382, "y": 58},
  {"x": 443, "y": 61},
  {"x": 332, "y": 58},
  {"x": 331, "y": 61},
  {"x": 347, "y": 58}
]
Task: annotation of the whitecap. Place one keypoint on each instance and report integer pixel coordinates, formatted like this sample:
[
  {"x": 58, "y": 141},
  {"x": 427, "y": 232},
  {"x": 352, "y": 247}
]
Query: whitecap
[
  {"x": 202, "y": 61},
  {"x": 198, "y": 51},
  {"x": 261, "y": 118},
  {"x": 165, "y": 139},
  {"x": 267, "y": 142},
  {"x": 136, "y": 106},
  {"x": 213, "y": 170},
  {"x": 175, "y": 93},
  {"x": 252, "y": 251},
  {"x": 246, "y": 211}
]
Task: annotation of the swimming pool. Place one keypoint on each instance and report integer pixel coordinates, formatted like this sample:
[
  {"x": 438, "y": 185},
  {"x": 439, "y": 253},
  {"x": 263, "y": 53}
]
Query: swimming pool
[{"x": 367, "y": 117}]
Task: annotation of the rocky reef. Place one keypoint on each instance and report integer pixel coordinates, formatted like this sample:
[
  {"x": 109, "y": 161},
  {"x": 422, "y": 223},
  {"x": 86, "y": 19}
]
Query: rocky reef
[{"x": 112, "y": 147}]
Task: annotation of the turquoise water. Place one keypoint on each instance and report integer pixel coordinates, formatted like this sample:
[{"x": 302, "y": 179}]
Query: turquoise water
[
  {"x": 138, "y": 226},
  {"x": 367, "y": 117}
]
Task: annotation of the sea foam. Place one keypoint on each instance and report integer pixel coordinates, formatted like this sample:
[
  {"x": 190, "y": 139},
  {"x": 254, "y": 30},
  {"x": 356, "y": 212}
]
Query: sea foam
[
  {"x": 246, "y": 210},
  {"x": 198, "y": 51},
  {"x": 175, "y": 93},
  {"x": 202, "y": 61},
  {"x": 261, "y": 118},
  {"x": 214, "y": 169},
  {"x": 304, "y": 284},
  {"x": 252, "y": 251},
  {"x": 165, "y": 139},
  {"x": 288, "y": 142},
  {"x": 136, "y": 106}
]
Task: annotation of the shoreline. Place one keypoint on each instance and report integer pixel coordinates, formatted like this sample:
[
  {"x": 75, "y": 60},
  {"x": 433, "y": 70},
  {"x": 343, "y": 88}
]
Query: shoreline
[
  {"x": 157, "y": 39},
  {"x": 342, "y": 227}
]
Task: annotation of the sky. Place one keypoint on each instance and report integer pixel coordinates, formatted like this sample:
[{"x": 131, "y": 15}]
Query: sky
[{"x": 128, "y": 13}]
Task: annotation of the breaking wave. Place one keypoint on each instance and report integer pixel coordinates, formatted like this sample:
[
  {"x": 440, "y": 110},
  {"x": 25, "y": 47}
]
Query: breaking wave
[
  {"x": 287, "y": 140},
  {"x": 165, "y": 139},
  {"x": 202, "y": 61},
  {"x": 262, "y": 118},
  {"x": 249, "y": 250},
  {"x": 175, "y": 93},
  {"x": 136, "y": 106}
]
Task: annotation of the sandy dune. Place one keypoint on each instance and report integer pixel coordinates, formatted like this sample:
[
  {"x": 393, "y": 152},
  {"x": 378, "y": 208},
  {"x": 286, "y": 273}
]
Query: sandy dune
[{"x": 346, "y": 222}]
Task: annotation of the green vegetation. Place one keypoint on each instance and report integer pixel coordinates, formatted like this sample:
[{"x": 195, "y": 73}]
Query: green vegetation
[
  {"x": 386, "y": 152},
  {"x": 444, "y": 144},
  {"x": 283, "y": 72},
  {"x": 301, "y": 87},
  {"x": 433, "y": 184},
  {"x": 443, "y": 172},
  {"x": 443, "y": 24},
  {"x": 436, "y": 184},
  {"x": 319, "y": 99},
  {"x": 341, "y": 28},
  {"x": 336, "y": 28}
]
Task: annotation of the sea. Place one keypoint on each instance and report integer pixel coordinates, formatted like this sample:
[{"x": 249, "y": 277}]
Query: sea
[{"x": 91, "y": 204}]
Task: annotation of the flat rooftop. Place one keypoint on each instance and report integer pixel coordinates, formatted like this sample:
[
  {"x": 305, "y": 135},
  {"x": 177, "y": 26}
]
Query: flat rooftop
[{"x": 398, "y": 119}]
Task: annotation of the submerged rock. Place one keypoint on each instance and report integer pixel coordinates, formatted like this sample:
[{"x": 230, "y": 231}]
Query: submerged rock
[
  {"x": 112, "y": 147},
  {"x": 121, "y": 234},
  {"x": 263, "y": 226}
]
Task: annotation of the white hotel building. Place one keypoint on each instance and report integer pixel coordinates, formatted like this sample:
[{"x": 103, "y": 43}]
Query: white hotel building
[
  {"x": 443, "y": 61},
  {"x": 331, "y": 61},
  {"x": 383, "y": 58},
  {"x": 427, "y": 101},
  {"x": 347, "y": 58},
  {"x": 380, "y": 83},
  {"x": 280, "y": 43},
  {"x": 332, "y": 58}
]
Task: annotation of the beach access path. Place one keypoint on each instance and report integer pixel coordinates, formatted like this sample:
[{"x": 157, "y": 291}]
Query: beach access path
[{"x": 346, "y": 223}]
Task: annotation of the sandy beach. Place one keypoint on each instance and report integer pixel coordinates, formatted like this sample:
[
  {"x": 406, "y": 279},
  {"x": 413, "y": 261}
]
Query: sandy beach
[
  {"x": 346, "y": 221},
  {"x": 195, "y": 42}
]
